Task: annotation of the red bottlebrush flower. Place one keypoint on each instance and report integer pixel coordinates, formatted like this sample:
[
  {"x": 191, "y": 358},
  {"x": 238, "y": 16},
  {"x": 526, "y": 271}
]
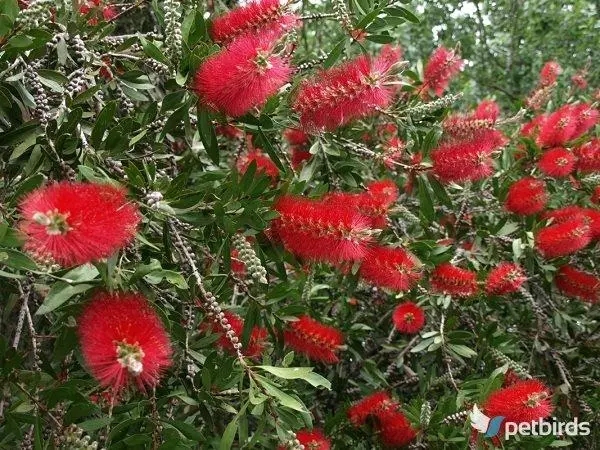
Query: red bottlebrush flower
[
  {"x": 526, "y": 196},
  {"x": 449, "y": 279},
  {"x": 505, "y": 279},
  {"x": 316, "y": 231},
  {"x": 524, "y": 401},
  {"x": 591, "y": 217},
  {"x": 558, "y": 128},
  {"x": 564, "y": 238},
  {"x": 585, "y": 117},
  {"x": 256, "y": 343},
  {"x": 312, "y": 440},
  {"x": 341, "y": 94},
  {"x": 532, "y": 128},
  {"x": 258, "y": 16},
  {"x": 395, "y": 430},
  {"x": 299, "y": 156},
  {"x": 579, "y": 284},
  {"x": 264, "y": 164},
  {"x": 317, "y": 341},
  {"x": 487, "y": 109},
  {"x": 479, "y": 124},
  {"x": 588, "y": 156},
  {"x": 464, "y": 161},
  {"x": 295, "y": 137},
  {"x": 241, "y": 76},
  {"x": 76, "y": 223},
  {"x": 442, "y": 66},
  {"x": 109, "y": 13},
  {"x": 549, "y": 73},
  {"x": 381, "y": 195},
  {"x": 579, "y": 81},
  {"x": 392, "y": 268},
  {"x": 408, "y": 318},
  {"x": 596, "y": 195},
  {"x": 374, "y": 202},
  {"x": 123, "y": 340},
  {"x": 378, "y": 404},
  {"x": 557, "y": 162}
]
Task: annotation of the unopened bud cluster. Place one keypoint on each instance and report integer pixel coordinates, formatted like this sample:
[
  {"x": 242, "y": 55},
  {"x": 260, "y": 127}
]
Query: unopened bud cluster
[
  {"x": 424, "y": 109},
  {"x": 425, "y": 414},
  {"x": 42, "y": 107},
  {"x": 247, "y": 255},
  {"x": 153, "y": 199},
  {"x": 342, "y": 15},
  {"x": 310, "y": 64},
  {"x": 501, "y": 358},
  {"x": 127, "y": 105},
  {"x": 294, "y": 443},
  {"x": 75, "y": 439},
  {"x": 35, "y": 15},
  {"x": 77, "y": 83},
  {"x": 216, "y": 313},
  {"x": 172, "y": 29}
]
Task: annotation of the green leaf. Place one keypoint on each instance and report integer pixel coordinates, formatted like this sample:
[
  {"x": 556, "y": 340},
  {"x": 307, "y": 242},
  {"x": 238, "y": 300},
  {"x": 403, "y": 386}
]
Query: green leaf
[
  {"x": 16, "y": 259},
  {"x": 462, "y": 350},
  {"x": 335, "y": 54},
  {"x": 208, "y": 135},
  {"x": 440, "y": 192},
  {"x": 425, "y": 202},
  {"x": 399, "y": 11},
  {"x": 59, "y": 294},
  {"x": 189, "y": 431},
  {"x": 153, "y": 51},
  {"x": 302, "y": 373},
  {"x": 283, "y": 398},
  {"x": 102, "y": 123},
  {"x": 229, "y": 435},
  {"x": 94, "y": 424},
  {"x": 381, "y": 38},
  {"x": 268, "y": 147}
]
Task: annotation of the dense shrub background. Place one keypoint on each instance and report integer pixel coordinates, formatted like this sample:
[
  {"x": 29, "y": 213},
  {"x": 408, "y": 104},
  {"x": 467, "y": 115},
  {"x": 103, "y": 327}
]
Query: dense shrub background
[{"x": 111, "y": 102}]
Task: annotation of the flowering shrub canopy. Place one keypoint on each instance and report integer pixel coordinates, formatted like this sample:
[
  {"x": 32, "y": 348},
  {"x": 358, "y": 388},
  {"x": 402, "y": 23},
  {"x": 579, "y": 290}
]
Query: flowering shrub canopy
[{"x": 274, "y": 225}]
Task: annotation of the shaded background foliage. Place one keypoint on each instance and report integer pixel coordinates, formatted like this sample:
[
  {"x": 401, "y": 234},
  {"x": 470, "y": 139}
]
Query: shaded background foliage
[{"x": 507, "y": 42}]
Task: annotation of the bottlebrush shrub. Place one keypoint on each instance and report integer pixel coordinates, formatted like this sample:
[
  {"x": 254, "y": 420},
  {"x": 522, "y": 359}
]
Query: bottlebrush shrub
[{"x": 259, "y": 227}]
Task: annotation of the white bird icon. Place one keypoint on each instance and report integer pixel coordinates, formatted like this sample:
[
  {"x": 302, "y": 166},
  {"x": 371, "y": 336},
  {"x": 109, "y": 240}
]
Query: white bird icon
[{"x": 479, "y": 420}]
